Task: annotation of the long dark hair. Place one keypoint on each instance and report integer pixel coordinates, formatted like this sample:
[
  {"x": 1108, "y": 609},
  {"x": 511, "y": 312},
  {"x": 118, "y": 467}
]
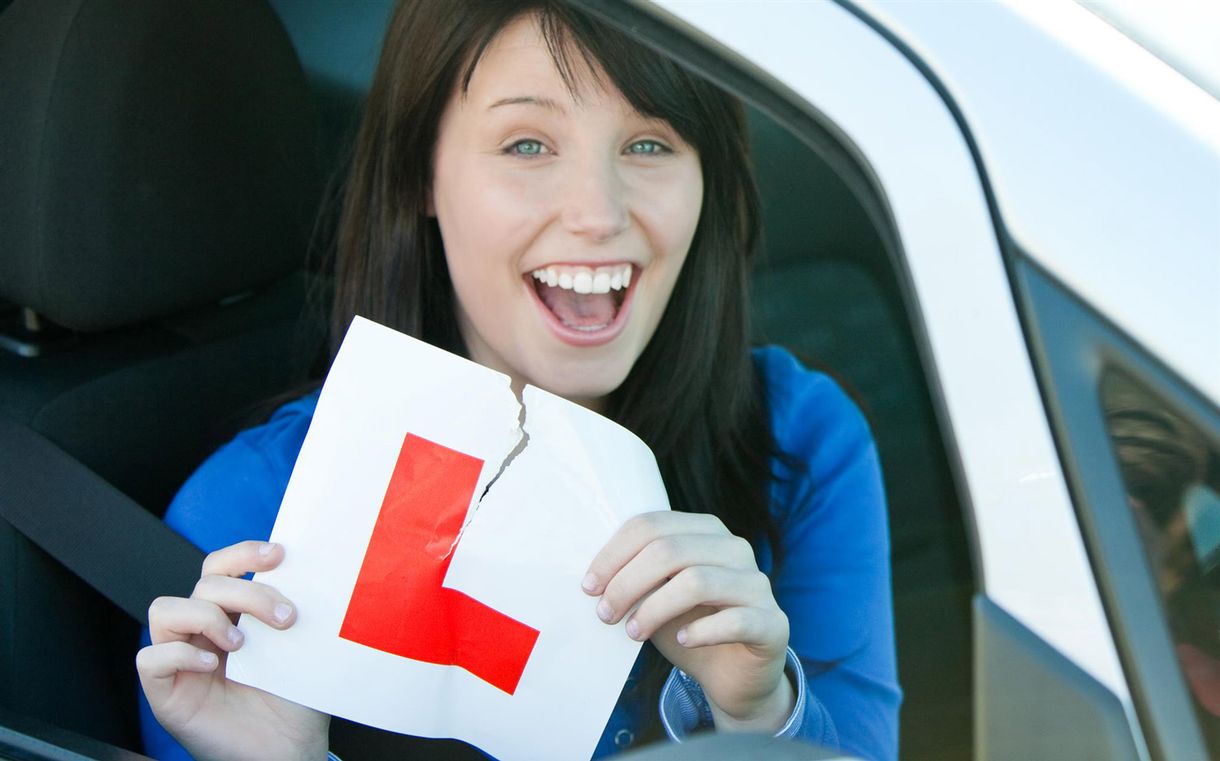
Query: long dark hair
[{"x": 693, "y": 395}]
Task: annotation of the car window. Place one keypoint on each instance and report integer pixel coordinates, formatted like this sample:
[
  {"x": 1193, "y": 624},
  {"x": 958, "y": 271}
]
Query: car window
[
  {"x": 825, "y": 287},
  {"x": 1170, "y": 471},
  {"x": 1138, "y": 443},
  {"x": 830, "y": 286}
]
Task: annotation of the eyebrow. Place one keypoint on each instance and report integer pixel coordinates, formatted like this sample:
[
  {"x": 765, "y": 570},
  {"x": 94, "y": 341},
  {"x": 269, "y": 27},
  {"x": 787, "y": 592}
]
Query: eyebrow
[{"x": 528, "y": 100}]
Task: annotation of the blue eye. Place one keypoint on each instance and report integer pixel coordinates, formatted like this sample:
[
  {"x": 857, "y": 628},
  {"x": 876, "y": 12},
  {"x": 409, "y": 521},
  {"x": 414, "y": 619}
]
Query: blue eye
[
  {"x": 647, "y": 148},
  {"x": 525, "y": 148}
]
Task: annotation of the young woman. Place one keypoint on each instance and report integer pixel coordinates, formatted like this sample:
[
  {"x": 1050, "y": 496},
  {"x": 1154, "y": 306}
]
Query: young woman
[{"x": 535, "y": 191}]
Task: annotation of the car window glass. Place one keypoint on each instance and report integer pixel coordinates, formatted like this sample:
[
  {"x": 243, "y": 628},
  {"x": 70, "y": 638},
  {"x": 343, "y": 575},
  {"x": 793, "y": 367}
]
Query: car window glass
[{"x": 1171, "y": 472}]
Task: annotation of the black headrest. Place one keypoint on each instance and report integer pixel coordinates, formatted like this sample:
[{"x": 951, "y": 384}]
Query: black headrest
[{"x": 154, "y": 155}]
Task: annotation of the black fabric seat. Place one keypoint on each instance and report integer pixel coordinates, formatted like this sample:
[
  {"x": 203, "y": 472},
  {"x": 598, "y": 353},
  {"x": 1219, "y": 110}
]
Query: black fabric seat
[{"x": 160, "y": 181}]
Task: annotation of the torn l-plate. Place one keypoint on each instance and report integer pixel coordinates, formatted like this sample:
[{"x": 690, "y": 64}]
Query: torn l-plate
[{"x": 559, "y": 496}]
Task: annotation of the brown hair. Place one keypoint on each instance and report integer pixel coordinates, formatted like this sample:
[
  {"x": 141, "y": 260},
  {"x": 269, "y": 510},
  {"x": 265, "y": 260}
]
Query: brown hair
[{"x": 693, "y": 395}]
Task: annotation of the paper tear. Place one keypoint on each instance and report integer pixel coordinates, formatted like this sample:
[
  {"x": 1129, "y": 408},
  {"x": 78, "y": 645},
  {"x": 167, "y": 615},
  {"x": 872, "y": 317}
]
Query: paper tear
[{"x": 523, "y": 439}]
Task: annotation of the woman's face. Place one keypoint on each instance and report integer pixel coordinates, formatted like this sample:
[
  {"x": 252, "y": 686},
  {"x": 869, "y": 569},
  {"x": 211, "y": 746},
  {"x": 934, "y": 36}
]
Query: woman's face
[{"x": 565, "y": 220}]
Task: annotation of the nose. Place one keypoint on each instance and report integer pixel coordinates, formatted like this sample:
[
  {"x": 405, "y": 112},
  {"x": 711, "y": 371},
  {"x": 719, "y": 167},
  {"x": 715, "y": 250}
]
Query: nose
[{"x": 596, "y": 201}]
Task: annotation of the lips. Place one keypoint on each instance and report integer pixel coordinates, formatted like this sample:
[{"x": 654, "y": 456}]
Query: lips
[{"x": 583, "y": 305}]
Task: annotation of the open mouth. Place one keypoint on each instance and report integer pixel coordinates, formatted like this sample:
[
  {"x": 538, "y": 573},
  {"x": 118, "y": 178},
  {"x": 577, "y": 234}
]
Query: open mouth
[{"x": 587, "y": 300}]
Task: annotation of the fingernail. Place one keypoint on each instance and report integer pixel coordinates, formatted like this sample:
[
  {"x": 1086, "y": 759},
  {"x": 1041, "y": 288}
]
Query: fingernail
[
  {"x": 589, "y": 583},
  {"x": 633, "y": 629},
  {"x": 282, "y": 611},
  {"x": 681, "y": 636},
  {"x": 265, "y": 548},
  {"x": 604, "y": 611},
  {"x": 235, "y": 636},
  {"x": 207, "y": 659}
]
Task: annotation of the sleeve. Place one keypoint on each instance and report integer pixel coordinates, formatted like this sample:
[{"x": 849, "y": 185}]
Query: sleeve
[
  {"x": 684, "y": 708},
  {"x": 234, "y": 496},
  {"x": 834, "y": 581}
]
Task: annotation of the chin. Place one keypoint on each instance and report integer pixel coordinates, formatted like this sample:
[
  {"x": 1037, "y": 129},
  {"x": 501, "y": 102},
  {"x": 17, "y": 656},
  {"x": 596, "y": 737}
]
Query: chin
[{"x": 584, "y": 382}]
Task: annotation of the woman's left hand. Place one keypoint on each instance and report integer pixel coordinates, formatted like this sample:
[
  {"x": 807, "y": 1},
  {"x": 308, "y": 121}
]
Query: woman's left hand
[{"x": 706, "y": 607}]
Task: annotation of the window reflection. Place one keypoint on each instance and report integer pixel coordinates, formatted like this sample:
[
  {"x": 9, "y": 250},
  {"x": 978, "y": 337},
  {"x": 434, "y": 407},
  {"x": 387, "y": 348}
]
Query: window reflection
[{"x": 1170, "y": 470}]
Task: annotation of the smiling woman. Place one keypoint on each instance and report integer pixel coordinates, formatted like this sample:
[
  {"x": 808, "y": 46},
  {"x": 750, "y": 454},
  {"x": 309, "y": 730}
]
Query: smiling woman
[
  {"x": 539, "y": 193},
  {"x": 571, "y": 182}
]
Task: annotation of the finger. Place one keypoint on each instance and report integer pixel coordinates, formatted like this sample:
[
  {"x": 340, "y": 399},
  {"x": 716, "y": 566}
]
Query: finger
[
  {"x": 241, "y": 596},
  {"x": 663, "y": 558},
  {"x": 176, "y": 619},
  {"x": 761, "y": 628},
  {"x": 699, "y": 585},
  {"x": 159, "y": 664},
  {"x": 244, "y": 557},
  {"x": 636, "y": 533}
]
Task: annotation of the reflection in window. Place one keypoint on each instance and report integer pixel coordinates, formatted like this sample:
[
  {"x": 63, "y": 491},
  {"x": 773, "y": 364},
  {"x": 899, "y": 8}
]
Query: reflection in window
[{"x": 1171, "y": 471}]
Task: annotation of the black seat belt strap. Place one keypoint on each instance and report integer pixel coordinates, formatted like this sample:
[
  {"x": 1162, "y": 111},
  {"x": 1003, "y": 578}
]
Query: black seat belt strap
[{"x": 103, "y": 536}]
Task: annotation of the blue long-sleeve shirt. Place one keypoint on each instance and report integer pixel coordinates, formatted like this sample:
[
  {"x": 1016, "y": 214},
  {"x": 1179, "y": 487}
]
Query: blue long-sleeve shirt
[{"x": 834, "y": 583}]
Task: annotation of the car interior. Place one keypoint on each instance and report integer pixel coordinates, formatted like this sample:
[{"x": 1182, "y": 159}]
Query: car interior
[{"x": 164, "y": 167}]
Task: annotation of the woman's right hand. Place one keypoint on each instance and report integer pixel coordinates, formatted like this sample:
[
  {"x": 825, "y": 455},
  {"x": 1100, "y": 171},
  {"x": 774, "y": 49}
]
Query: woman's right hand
[{"x": 183, "y": 670}]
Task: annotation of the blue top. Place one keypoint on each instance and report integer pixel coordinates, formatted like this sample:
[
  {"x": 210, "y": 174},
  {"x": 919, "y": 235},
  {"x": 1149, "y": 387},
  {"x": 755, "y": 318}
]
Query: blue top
[{"x": 834, "y": 584}]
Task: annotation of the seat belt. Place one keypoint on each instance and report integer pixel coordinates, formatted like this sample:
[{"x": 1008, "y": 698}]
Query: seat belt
[{"x": 100, "y": 534}]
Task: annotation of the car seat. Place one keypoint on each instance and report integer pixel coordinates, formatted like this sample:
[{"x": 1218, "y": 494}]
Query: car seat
[{"x": 160, "y": 181}]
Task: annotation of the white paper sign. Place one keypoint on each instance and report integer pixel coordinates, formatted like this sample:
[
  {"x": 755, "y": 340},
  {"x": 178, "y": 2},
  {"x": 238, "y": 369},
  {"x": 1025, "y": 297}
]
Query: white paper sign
[{"x": 507, "y": 653}]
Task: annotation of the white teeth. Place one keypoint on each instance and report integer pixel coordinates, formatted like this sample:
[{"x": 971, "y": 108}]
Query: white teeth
[{"x": 585, "y": 279}]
